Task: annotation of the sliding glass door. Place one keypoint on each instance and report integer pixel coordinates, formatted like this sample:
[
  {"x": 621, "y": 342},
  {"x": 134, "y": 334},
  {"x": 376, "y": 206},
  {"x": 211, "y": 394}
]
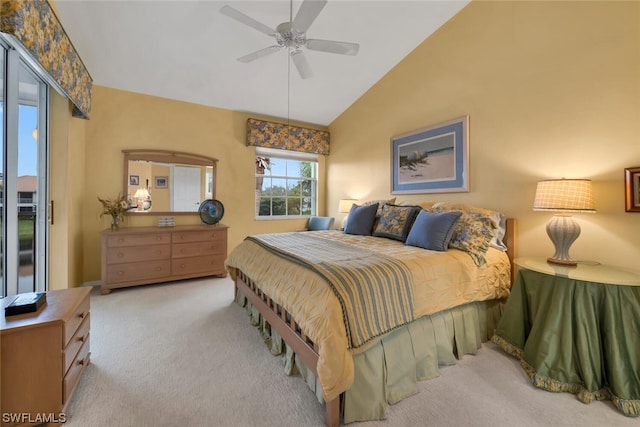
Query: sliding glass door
[{"x": 23, "y": 180}]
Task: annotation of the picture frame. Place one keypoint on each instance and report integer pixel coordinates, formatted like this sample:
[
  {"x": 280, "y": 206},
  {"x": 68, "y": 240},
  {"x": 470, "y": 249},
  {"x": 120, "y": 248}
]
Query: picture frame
[
  {"x": 162, "y": 181},
  {"x": 134, "y": 179},
  {"x": 434, "y": 159},
  {"x": 632, "y": 189}
]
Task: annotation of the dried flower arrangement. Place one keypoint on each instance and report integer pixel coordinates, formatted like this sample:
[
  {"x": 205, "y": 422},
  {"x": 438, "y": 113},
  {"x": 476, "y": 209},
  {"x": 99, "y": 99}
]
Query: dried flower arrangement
[{"x": 116, "y": 208}]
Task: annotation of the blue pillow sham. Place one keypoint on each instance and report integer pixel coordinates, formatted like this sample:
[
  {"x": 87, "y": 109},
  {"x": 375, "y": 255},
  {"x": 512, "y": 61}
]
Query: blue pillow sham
[
  {"x": 361, "y": 219},
  {"x": 433, "y": 231}
]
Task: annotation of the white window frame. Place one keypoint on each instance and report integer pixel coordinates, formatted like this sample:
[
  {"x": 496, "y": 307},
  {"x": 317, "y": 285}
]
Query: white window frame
[{"x": 275, "y": 155}]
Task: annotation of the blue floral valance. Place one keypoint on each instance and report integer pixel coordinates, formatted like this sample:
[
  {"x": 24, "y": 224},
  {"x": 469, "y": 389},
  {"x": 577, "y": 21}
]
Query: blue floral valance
[
  {"x": 286, "y": 137},
  {"x": 34, "y": 24}
]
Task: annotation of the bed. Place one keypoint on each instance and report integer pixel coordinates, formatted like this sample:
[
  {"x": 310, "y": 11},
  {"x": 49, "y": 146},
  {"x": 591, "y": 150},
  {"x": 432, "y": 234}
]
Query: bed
[{"x": 424, "y": 307}]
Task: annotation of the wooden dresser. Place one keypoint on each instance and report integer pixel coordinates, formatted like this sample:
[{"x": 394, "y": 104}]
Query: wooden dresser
[
  {"x": 43, "y": 355},
  {"x": 142, "y": 255}
]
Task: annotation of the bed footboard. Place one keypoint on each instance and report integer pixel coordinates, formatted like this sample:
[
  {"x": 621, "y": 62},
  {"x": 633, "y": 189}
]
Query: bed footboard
[{"x": 291, "y": 333}]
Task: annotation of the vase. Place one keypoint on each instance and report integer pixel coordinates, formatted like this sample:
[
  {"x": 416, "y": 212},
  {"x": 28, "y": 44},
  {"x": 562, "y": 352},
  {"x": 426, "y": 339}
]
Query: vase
[{"x": 115, "y": 222}]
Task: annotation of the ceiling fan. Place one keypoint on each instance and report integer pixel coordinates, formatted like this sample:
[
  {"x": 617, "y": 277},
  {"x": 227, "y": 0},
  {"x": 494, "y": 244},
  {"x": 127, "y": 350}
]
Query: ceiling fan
[{"x": 293, "y": 36}]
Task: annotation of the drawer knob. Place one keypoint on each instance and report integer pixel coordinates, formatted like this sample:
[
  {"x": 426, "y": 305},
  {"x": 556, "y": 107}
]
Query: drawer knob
[
  {"x": 120, "y": 273},
  {"x": 120, "y": 255},
  {"x": 158, "y": 268},
  {"x": 121, "y": 240},
  {"x": 82, "y": 315}
]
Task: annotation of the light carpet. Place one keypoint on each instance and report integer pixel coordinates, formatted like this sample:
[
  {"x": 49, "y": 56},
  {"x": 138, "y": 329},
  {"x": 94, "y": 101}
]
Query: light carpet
[{"x": 184, "y": 354}]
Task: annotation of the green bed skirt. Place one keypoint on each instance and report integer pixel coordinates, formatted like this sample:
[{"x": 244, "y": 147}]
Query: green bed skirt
[{"x": 389, "y": 370}]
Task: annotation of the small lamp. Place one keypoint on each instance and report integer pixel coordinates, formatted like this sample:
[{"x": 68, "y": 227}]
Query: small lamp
[
  {"x": 141, "y": 196},
  {"x": 344, "y": 207},
  {"x": 565, "y": 196}
]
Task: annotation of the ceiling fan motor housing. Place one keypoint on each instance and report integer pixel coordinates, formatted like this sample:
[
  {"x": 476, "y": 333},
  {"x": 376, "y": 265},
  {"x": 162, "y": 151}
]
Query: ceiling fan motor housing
[{"x": 288, "y": 36}]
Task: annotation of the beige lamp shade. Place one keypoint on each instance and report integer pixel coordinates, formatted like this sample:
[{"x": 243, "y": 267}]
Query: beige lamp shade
[
  {"x": 345, "y": 205},
  {"x": 565, "y": 195},
  {"x": 141, "y": 193}
]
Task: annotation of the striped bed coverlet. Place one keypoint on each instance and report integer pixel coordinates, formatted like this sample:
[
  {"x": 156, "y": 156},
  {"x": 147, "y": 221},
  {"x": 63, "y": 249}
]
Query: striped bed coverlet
[{"x": 374, "y": 291}]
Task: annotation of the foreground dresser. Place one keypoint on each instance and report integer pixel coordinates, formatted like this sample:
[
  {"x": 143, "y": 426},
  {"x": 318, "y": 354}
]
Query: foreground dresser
[
  {"x": 142, "y": 255},
  {"x": 43, "y": 355}
]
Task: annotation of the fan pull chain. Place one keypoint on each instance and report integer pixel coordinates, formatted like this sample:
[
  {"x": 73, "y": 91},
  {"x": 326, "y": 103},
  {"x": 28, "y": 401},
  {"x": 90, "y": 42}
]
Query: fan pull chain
[{"x": 288, "y": 94}]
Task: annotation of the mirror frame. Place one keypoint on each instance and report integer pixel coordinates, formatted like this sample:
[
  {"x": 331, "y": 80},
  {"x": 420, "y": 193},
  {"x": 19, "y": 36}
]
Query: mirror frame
[{"x": 167, "y": 156}]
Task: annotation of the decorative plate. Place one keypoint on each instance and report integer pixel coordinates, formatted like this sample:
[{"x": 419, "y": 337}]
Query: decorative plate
[{"x": 211, "y": 211}]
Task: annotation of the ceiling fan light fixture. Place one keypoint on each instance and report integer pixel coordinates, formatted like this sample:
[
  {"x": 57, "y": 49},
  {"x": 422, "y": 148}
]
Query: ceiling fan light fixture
[{"x": 292, "y": 35}]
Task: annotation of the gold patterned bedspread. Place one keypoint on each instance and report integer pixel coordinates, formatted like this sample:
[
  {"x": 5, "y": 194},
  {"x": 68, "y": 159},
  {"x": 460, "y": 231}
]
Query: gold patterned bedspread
[{"x": 441, "y": 280}]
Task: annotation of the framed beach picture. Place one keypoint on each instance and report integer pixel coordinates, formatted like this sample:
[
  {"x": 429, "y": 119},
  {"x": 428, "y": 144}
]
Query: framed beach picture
[
  {"x": 632, "y": 189},
  {"x": 431, "y": 160},
  {"x": 161, "y": 181}
]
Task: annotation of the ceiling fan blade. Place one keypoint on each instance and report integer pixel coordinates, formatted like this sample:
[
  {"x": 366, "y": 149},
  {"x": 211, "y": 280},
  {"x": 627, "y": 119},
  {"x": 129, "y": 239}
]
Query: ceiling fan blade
[
  {"x": 342, "y": 48},
  {"x": 308, "y": 12},
  {"x": 247, "y": 20},
  {"x": 259, "y": 53},
  {"x": 301, "y": 63}
]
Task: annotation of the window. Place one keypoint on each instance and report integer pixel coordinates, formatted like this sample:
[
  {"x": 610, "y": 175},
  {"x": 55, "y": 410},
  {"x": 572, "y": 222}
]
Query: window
[{"x": 285, "y": 183}]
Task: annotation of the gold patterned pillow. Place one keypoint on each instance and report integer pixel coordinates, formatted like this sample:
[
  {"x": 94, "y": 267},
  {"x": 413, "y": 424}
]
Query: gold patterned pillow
[
  {"x": 395, "y": 221},
  {"x": 472, "y": 234},
  {"x": 380, "y": 203}
]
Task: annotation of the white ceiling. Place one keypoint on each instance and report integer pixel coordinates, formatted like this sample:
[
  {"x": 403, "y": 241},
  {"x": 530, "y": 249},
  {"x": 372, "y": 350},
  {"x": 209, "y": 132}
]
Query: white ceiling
[{"x": 187, "y": 50}]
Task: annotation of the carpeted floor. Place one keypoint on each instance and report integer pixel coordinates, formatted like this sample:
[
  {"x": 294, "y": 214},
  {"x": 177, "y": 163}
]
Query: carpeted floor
[{"x": 183, "y": 354}]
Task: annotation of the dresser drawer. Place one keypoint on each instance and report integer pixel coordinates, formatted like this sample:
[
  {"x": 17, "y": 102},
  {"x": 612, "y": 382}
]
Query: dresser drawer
[
  {"x": 138, "y": 239},
  {"x": 202, "y": 264},
  {"x": 196, "y": 249},
  {"x": 138, "y": 253},
  {"x": 73, "y": 375},
  {"x": 119, "y": 273},
  {"x": 81, "y": 336},
  {"x": 198, "y": 236},
  {"x": 73, "y": 323}
]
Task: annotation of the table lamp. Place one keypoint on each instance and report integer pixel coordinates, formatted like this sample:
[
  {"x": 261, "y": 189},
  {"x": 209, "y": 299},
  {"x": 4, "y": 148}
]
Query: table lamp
[
  {"x": 565, "y": 196},
  {"x": 344, "y": 207},
  {"x": 141, "y": 196}
]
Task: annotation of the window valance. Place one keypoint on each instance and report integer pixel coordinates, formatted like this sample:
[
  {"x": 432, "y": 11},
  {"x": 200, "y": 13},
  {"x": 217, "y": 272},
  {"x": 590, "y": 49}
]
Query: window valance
[
  {"x": 34, "y": 24},
  {"x": 286, "y": 137}
]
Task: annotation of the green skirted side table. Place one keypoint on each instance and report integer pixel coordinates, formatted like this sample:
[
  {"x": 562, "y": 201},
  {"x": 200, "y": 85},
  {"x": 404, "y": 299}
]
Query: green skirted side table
[{"x": 576, "y": 329}]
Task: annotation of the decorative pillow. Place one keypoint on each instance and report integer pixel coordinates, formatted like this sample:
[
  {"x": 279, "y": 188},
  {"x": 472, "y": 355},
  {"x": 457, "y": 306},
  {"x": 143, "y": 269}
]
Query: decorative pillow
[
  {"x": 395, "y": 221},
  {"x": 361, "y": 219},
  {"x": 472, "y": 233},
  {"x": 426, "y": 205},
  {"x": 433, "y": 230},
  {"x": 380, "y": 203},
  {"x": 498, "y": 219}
]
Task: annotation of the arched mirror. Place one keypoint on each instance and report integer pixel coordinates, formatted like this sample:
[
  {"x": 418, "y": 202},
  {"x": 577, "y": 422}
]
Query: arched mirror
[{"x": 163, "y": 182}]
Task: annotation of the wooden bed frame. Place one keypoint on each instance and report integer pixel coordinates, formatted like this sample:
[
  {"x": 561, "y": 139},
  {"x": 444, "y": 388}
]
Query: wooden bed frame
[{"x": 302, "y": 345}]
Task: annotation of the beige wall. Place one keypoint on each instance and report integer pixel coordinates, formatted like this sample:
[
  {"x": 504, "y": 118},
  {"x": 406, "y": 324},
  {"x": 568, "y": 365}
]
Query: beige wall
[
  {"x": 66, "y": 186},
  {"x": 552, "y": 90},
  {"x": 125, "y": 120}
]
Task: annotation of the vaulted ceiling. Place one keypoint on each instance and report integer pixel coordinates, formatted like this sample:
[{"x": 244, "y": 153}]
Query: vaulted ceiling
[{"x": 188, "y": 50}]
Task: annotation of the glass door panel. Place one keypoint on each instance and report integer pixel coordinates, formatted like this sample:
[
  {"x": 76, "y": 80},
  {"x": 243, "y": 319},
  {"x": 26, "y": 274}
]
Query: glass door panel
[
  {"x": 31, "y": 191},
  {"x": 2, "y": 157},
  {"x": 24, "y": 177}
]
